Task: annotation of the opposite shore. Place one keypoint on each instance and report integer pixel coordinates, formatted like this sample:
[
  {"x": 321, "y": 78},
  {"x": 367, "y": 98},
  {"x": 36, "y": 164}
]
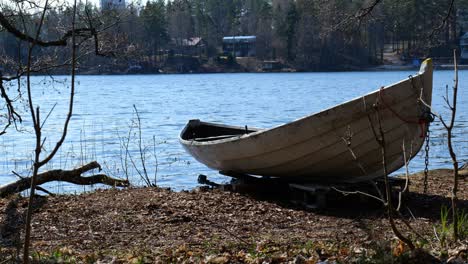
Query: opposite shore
[
  {"x": 257, "y": 68},
  {"x": 194, "y": 65}
]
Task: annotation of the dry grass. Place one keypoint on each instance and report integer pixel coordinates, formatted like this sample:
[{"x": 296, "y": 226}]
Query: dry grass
[{"x": 158, "y": 225}]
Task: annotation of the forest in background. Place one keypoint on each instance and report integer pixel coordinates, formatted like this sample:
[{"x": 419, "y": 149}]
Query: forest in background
[{"x": 305, "y": 35}]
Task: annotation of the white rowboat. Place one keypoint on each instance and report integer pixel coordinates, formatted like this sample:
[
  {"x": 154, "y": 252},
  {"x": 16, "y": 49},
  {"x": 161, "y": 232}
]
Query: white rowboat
[{"x": 335, "y": 145}]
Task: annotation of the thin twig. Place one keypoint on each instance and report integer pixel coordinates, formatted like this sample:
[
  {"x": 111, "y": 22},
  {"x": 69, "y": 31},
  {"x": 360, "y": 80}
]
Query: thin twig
[
  {"x": 406, "y": 161},
  {"x": 411, "y": 213},
  {"x": 222, "y": 227},
  {"x": 347, "y": 142},
  {"x": 358, "y": 16},
  {"x": 358, "y": 192},
  {"x": 444, "y": 21},
  {"x": 140, "y": 148},
  {"x": 48, "y": 115}
]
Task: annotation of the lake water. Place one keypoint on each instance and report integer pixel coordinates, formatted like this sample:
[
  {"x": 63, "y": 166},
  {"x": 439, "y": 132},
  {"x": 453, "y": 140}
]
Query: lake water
[{"x": 104, "y": 118}]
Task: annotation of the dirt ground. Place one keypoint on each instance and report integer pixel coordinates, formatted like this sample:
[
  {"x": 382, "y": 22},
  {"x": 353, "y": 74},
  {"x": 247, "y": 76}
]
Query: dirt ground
[{"x": 153, "y": 225}]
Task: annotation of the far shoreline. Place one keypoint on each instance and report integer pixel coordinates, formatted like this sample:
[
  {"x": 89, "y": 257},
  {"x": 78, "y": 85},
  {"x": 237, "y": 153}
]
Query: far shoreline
[{"x": 381, "y": 68}]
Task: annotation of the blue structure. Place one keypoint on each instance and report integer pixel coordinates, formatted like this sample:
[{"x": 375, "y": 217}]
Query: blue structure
[
  {"x": 464, "y": 48},
  {"x": 240, "y": 46}
]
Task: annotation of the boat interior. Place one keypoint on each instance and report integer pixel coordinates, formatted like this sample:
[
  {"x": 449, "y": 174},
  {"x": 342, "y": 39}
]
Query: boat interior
[{"x": 202, "y": 131}]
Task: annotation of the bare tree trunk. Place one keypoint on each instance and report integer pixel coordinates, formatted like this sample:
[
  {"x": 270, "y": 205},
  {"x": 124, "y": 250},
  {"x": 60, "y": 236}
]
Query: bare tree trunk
[
  {"x": 35, "y": 115},
  {"x": 389, "y": 203},
  {"x": 34, "y": 40},
  {"x": 449, "y": 128},
  {"x": 37, "y": 129}
]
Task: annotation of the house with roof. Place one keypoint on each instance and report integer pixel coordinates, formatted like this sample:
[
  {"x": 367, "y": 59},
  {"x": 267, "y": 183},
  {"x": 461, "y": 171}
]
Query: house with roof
[{"x": 194, "y": 46}]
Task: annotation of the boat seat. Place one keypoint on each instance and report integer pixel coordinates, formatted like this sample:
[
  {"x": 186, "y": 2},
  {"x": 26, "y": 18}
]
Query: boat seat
[{"x": 215, "y": 137}]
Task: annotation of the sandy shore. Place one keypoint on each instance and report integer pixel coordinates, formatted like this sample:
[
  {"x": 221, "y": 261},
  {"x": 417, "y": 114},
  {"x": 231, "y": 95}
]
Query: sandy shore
[{"x": 152, "y": 225}]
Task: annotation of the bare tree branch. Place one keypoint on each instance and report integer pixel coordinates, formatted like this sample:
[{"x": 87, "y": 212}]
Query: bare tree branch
[
  {"x": 82, "y": 32},
  {"x": 363, "y": 12},
  {"x": 452, "y": 152},
  {"x": 390, "y": 209},
  {"x": 444, "y": 21},
  {"x": 406, "y": 175},
  {"x": 37, "y": 187},
  {"x": 72, "y": 176},
  {"x": 358, "y": 192},
  {"x": 12, "y": 115},
  {"x": 359, "y": 16}
]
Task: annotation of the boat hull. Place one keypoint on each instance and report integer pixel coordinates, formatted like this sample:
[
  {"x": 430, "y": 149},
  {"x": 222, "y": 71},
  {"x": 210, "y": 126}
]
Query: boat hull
[{"x": 339, "y": 144}]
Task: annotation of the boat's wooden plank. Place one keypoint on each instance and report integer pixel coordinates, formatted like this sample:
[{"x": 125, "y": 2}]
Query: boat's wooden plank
[
  {"x": 371, "y": 160},
  {"x": 317, "y": 147},
  {"x": 363, "y": 140},
  {"x": 338, "y": 156}
]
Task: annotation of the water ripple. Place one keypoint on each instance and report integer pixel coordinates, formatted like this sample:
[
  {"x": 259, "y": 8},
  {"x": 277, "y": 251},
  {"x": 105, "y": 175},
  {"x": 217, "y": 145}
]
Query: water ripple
[{"x": 104, "y": 117}]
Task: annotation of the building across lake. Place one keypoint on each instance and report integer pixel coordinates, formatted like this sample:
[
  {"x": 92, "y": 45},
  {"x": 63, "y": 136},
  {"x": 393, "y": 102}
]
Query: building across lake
[
  {"x": 112, "y": 4},
  {"x": 464, "y": 48},
  {"x": 240, "y": 46}
]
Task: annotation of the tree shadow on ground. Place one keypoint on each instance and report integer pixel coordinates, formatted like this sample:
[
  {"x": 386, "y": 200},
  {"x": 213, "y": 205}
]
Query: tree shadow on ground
[
  {"x": 352, "y": 206},
  {"x": 13, "y": 220}
]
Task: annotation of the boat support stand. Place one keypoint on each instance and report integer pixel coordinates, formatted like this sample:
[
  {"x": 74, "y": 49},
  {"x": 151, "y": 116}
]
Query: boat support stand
[{"x": 311, "y": 195}]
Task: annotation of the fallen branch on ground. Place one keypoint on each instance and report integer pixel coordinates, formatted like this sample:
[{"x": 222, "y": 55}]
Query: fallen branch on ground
[{"x": 71, "y": 176}]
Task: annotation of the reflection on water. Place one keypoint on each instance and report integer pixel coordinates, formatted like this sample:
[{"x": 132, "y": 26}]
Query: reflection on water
[{"x": 104, "y": 118}]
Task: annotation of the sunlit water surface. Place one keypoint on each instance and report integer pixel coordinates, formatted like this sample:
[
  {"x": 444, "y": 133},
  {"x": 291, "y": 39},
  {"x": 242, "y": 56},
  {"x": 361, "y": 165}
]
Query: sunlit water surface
[{"x": 104, "y": 118}]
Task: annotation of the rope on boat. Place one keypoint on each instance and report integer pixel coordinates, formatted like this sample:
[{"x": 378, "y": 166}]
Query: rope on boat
[{"x": 423, "y": 121}]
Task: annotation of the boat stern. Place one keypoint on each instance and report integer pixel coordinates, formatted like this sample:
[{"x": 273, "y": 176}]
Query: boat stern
[
  {"x": 426, "y": 72},
  {"x": 426, "y": 65}
]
